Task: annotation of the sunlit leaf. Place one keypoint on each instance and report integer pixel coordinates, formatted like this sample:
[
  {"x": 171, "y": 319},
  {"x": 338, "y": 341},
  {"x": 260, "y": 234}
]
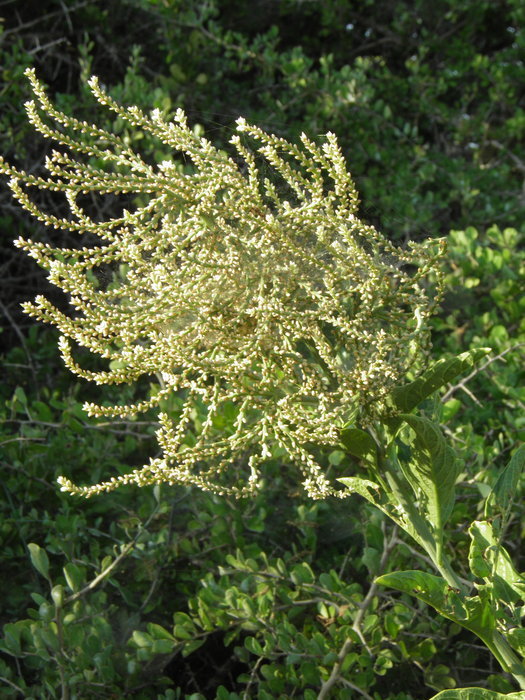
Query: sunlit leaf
[
  {"x": 432, "y": 470},
  {"x": 476, "y": 694},
  {"x": 407, "y": 397},
  {"x": 490, "y": 561},
  {"x": 475, "y": 613},
  {"x": 39, "y": 559}
]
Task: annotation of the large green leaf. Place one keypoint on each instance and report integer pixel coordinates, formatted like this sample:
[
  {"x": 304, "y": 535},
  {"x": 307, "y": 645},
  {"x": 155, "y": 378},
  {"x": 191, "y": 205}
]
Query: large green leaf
[
  {"x": 476, "y": 694},
  {"x": 407, "y": 397},
  {"x": 366, "y": 488},
  {"x": 490, "y": 561},
  {"x": 377, "y": 496},
  {"x": 432, "y": 470},
  {"x": 432, "y": 590},
  {"x": 474, "y": 613},
  {"x": 359, "y": 443},
  {"x": 504, "y": 491}
]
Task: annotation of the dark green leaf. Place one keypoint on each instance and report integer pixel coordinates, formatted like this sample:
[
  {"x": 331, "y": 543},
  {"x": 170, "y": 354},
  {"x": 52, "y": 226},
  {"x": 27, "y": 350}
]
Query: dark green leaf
[
  {"x": 359, "y": 443},
  {"x": 302, "y": 573},
  {"x": 253, "y": 646},
  {"x": 407, "y": 397},
  {"x": 162, "y": 646},
  {"x": 504, "y": 491},
  {"x": 190, "y": 647}
]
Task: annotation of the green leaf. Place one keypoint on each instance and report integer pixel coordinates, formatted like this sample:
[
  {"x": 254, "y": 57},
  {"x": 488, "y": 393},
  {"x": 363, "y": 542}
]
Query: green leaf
[
  {"x": 302, "y": 573},
  {"x": 183, "y": 626},
  {"x": 223, "y": 693},
  {"x": 359, "y": 443},
  {"x": 431, "y": 470},
  {"x": 162, "y": 646},
  {"x": 475, "y": 694},
  {"x": 370, "y": 622},
  {"x": 371, "y": 558},
  {"x": 438, "y": 677},
  {"x": 490, "y": 561},
  {"x": 39, "y": 559},
  {"x": 431, "y": 589},
  {"x": 473, "y": 613},
  {"x": 450, "y": 408},
  {"x": 39, "y": 599},
  {"x": 504, "y": 491},
  {"x": 57, "y": 594},
  {"x": 11, "y": 642},
  {"x": 190, "y": 647},
  {"x": 407, "y": 397},
  {"x": 20, "y": 396},
  {"x": 42, "y": 411},
  {"x": 369, "y": 490},
  {"x": 74, "y": 576},
  {"x": 253, "y": 646},
  {"x": 158, "y": 632},
  {"x": 375, "y": 495},
  {"x": 516, "y": 638},
  {"x": 183, "y": 633},
  {"x": 141, "y": 639}
]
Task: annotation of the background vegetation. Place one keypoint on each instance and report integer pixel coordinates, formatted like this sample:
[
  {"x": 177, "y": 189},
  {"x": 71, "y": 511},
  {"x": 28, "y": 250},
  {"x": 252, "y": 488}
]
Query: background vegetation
[{"x": 173, "y": 593}]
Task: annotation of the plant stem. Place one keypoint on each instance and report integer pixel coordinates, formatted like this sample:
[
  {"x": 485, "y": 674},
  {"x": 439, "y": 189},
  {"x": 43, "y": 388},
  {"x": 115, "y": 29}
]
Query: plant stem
[
  {"x": 506, "y": 657},
  {"x": 345, "y": 649},
  {"x": 61, "y": 654}
]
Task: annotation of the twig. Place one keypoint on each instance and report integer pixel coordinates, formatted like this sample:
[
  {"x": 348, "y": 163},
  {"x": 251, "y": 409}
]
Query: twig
[
  {"x": 477, "y": 370},
  {"x": 327, "y": 685},
  {"x": 355, "y": 687},
  {"x": 253, "y": 675},
  {"x": 43, "y": 47},
  {"x": 38, "y": 20},
  {"x": 13, "y": 685},
  {"x": 125, "y": 551},
  {"x": 21, "y": 469},
  {"x": 520, "y": 165},
  {"x": 94, "y": 583},
  {"x": 22, "y": 439},
  {"x": 363, "y": 607},
  {"x": 60, "y": 656},
  {"x": 21, "y": 338}
]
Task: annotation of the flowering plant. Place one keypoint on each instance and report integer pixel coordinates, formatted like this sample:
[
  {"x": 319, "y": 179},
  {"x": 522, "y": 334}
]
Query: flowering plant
[
  {"x": 244, "y": 283},
  {"x": 247, "y": 286}
]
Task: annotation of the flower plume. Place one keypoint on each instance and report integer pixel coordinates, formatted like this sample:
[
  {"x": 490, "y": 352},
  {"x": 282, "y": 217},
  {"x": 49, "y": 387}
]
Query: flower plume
[{"x": 244, "y": 285}]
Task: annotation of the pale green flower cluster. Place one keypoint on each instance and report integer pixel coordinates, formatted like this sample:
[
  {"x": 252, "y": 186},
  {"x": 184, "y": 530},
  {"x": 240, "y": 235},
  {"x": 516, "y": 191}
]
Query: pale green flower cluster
[{"x": 243, "y": 285}]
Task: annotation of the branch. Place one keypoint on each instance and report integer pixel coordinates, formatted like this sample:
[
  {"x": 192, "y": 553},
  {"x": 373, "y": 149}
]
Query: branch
[
  {"x": 334, "y": 676},
  {"x": 125, "y": 551},
  {"x": 477, "y": 370}
]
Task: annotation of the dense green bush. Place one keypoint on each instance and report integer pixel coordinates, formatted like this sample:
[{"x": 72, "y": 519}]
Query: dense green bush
[{"x": 215, "y": 598}]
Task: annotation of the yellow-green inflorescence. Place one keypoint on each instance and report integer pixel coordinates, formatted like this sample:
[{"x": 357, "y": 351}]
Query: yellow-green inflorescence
[{"x": 242, "y": 285}]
